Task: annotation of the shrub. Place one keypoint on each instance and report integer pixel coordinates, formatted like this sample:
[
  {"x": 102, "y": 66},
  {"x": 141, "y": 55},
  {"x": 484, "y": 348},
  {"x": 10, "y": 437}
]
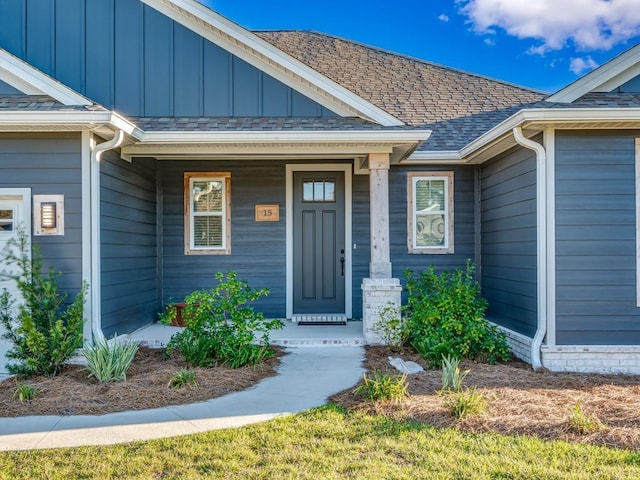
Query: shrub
[
  {"x": 109, "y": 361},
  {"x": 390, "y": 327},
  {"x": 382, "y": 386},
  {"x": 183, "y": 378},
  {"x": 220, "y": 326},
  {"x": 445, "y": 316},
  {"x": 582, "y": 422},
  {"x": 452, "y": 377},
  {"x": 25, "y": 392},
  {"x": 466, "y": 403},
  {"x": 44, "y": 333}
]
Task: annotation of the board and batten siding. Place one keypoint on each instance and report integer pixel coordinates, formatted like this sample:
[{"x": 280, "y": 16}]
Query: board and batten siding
[
  {"x": 128, "y": 250},
  {"x": 509, "y": 240},
  {"x": 596, "y": 239},
  {"x": 50, "y": 164},
  {"x": 129, "y": 57}
]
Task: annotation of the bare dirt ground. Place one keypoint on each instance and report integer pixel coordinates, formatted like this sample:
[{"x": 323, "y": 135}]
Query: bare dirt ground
[
  {"x": 520, "y": 401},
  {"x": 73, "y": 393}
]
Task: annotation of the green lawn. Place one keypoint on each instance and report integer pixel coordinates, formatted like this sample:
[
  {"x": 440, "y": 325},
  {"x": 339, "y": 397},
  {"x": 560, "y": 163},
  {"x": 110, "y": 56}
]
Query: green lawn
[{"x": 325, "y": 444}]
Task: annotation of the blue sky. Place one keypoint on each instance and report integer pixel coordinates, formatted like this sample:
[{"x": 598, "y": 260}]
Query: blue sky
[{"x": 542, "y": 44}]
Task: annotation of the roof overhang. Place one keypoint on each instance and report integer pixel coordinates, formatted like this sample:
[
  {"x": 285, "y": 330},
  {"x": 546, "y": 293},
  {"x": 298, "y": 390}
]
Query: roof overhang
[
  {"x": 31, "y": 81},
  {"x": 103, "y": 123},
  {"x": 271, "y": 60},
  {"x": 276, "y": 144},
  {"x": 533, "y": 121}
]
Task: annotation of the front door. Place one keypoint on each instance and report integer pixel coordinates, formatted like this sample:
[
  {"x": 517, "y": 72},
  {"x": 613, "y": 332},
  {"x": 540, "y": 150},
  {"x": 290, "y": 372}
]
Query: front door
[{"x": 318, "y": 242}]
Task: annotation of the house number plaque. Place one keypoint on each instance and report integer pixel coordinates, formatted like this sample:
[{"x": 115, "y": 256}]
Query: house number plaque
[{"x": 267, "y": 213}]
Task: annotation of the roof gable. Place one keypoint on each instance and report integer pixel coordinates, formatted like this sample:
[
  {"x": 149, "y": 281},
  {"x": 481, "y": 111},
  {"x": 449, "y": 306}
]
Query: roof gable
[
  {"x": 26, "y": 79},
  {"x": 271, "y": 60},
  {"x": 608, "y": 77}
]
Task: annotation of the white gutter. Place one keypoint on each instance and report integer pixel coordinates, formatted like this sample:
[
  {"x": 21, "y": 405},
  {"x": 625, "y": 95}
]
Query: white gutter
[
  {"x": 96, "y": 154},
  {"x": 541, "y": 206}
]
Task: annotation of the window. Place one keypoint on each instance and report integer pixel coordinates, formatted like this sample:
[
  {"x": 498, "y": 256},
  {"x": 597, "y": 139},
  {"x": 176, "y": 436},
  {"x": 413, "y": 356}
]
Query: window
[
  {"x": 318, "y": 190},
  {"x": 430, "y": 212},
  {"x": 207, "y": 198},
  {"x": 7, "y": 219}
]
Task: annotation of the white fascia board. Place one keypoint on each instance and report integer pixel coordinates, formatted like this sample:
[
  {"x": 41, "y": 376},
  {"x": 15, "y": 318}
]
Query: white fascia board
[
  {"x": 433, "y": 157},
  {"x": 87, "y": 119},
  {"x": 273, "y": 61},
  {"x": 594, "y": 80},
  {"x": 22, "y": 76},
  {"x": 318, "y": 136}
]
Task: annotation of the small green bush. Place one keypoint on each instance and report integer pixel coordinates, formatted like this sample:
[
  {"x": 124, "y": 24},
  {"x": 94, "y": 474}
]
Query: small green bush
[
  {"x": 452, "y": 377},
  {"x": 45, "y": 333},
  {"x": 109, "y": 360},
  {"x": 466, "y": 403},
  {"x": 220, "y": 326},
  {"x": 382, "y": 386},
  {"x": 25, "y": 392},
  {"x": 183, "y": 378},
  {"x": 390, "y": 327},
  {"x": 445, "y": 316},
  {"x": 582, "y": 422}
]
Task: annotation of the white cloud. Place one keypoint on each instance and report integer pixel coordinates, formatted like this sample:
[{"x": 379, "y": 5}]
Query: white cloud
[
  {"x": 579, "y": 65},
  {"x": 443, "y": 17},
  {"x": 588, "y": 24}
]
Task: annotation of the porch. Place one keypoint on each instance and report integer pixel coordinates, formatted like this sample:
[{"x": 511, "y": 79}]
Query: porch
[{"x": 158, "y": 335}]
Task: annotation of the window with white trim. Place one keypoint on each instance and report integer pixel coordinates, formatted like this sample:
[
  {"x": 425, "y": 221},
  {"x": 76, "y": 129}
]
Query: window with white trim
[
  {"x": 430, "y": 212},
  {"x": 207, "y": 198}
]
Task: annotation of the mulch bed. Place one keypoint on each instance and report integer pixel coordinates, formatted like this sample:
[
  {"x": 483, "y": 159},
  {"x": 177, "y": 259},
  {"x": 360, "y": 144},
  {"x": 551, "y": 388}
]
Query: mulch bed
[
  {"x": 73, "y": 393},
  {"x": 520, "y": 401}
]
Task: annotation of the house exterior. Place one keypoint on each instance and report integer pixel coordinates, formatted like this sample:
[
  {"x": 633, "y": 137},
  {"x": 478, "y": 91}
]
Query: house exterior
[{"x": 147, "y": 144}]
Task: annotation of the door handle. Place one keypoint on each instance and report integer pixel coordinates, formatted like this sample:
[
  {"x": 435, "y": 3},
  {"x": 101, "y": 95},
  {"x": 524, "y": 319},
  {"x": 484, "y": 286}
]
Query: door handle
[{"x": 342, "y": 266}]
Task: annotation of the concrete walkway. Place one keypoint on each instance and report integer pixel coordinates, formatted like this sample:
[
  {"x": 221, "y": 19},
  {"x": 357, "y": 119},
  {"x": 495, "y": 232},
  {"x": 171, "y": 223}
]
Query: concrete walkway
[{"x": 306, "y": 378}]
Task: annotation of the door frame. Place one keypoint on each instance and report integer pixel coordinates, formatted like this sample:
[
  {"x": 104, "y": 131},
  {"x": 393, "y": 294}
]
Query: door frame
[{"x": 348, "y": 276}]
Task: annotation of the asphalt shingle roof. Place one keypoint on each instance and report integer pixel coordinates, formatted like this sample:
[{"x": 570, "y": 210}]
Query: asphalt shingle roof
[
  {"x": 413, "y": 90},
  {"x": 42, "y": 103},
  {"x": 257, "y": 124}
]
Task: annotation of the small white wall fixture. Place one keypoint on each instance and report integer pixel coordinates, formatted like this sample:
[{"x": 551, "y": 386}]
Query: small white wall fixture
[{"x": 48, "y": 215}]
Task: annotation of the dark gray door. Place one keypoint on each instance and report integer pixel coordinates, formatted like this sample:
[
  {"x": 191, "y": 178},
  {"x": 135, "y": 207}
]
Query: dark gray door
[{"x": 318, "y": 242}]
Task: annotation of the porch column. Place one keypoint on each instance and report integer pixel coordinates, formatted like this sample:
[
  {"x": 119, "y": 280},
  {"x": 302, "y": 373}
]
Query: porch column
[{"x": 380, "y": 292}]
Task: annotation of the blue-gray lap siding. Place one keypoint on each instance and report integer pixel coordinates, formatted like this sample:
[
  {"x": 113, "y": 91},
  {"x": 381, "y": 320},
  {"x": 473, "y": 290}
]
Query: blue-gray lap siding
[
  {"x": 50, "y": 164},
  {"x": 129, "y": 57},
  {"x": 596, "y": 239},
  {"x": 258, "y": 250},
  {"x": 509, "y": 234},
  {"x": 128, "y": 250}
]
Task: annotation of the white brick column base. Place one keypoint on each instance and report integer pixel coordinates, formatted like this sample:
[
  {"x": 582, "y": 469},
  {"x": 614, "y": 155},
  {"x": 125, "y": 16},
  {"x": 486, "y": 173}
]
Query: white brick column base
[
  {"x": 623, "y": 359},
  {"x": 378, "y": 294},
  {"x": 519, "y": 344}
]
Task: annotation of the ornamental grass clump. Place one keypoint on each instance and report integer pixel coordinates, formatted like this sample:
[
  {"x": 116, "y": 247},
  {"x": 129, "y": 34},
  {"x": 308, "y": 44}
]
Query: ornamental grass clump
[
  {"x": 583, "y": 423},
  {"x": 382, "y": 386},
  {"x": 222, "y": 328},
  {"x": 183, "y": 378},
  {"x": 466, "y": 403},
  {"x": 45, "y": 330},
  {"x": 452, "y": 376},
  {"x": 25, "y": 392},
  {"x": 109, "y": 361},
  {"x": 445, "y": 316}
]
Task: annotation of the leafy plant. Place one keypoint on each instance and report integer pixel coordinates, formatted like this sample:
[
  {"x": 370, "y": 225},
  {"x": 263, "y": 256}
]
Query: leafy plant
[
  {"x": 25, "y": 392},
  {"x": 445, "y": 316},
  {"x": 109, "y": 360},
  {"x": 183, "y": 378},
  {"x": 46, "y": 331},
  {"x": 220, "y": 326},
  {"x": 382, "y": 386},
  {"x": 582, "y": 422},
  {"x": 390, "y": 327},
  {"x": 466, "y": 403},
  {"x": 452, "y": 377}
]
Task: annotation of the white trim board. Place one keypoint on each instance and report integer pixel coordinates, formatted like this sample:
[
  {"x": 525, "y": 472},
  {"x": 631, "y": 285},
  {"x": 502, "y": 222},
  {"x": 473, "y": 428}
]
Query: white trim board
[
  {"x": 31, "y": 81},
  {"x": 637, "y": 172},
  {"x": 264, "y": 56},
  {"x": 348, "y": 234}
]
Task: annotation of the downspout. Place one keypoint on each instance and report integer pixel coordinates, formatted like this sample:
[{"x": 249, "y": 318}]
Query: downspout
[
  {"x": 96, "y": 155},
  {"x": 541, "y": 165}
]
